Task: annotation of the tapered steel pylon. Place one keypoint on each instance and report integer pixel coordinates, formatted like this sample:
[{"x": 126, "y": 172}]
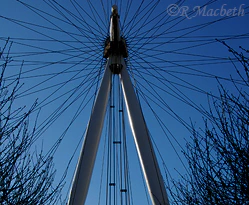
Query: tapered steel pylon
[{"x": 115, "y": 52}]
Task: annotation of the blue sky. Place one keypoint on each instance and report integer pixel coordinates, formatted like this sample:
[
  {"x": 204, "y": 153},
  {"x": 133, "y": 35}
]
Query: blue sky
[{"x": 174, "y": 62}]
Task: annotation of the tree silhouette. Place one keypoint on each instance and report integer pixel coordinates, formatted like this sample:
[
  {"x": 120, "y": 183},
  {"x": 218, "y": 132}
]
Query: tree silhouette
[
  {"x": 218, "y": 155},
  {"x": 26, "y": 175}
]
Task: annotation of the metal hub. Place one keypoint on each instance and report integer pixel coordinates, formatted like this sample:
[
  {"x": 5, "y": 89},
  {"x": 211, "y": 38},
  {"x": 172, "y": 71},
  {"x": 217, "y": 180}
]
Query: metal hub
[{"x": 115, "y": 45}]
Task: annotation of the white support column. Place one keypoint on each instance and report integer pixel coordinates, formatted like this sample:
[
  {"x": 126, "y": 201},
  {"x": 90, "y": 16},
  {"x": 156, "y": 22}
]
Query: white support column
[
  {"x": 89, "y": 149},
  {"x": 143, "y": 142}
]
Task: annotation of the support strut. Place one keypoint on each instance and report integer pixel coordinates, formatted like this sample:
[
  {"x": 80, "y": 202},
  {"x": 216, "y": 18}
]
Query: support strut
[
  {"x": 89, "y": 149},
  {"x": 147, "y": 157}
]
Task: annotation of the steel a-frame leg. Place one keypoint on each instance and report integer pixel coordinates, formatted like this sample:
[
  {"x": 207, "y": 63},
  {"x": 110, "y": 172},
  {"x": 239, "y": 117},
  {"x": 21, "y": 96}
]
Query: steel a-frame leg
[
  {"x": 83, "y": 173},
  {"x": 143, "y": 143},
  {"x": 147, "y": 157}
]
